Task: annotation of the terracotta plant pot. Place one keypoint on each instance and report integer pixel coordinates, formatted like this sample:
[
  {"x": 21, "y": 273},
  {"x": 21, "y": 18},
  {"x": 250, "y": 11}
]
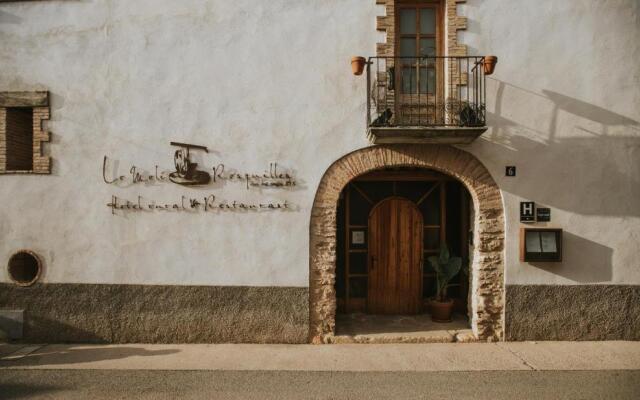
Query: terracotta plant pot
[
  {"x": 490, "y": 64},
  {"x": 441, "y": 310},
  {"x": 357, "y": 65}
]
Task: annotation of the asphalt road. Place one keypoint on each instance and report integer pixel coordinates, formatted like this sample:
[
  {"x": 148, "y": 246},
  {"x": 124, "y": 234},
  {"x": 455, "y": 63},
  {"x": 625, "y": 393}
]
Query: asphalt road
[{"x": 146, "y": 384}]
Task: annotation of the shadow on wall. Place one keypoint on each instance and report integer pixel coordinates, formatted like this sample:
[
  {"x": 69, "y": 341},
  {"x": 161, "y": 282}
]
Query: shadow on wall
[
  {"x": 55, "y": 355},
  {"x": 6, "y": 18},
  {"x": 593, "y": 168},
  {"x": 583, "y": 261},
  {"x": 25, "y": 391}
]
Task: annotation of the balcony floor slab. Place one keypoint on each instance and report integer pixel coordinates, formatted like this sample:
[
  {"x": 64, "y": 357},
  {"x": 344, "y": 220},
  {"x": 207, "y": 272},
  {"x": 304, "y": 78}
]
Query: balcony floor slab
[{"x": 424, "y": 134}]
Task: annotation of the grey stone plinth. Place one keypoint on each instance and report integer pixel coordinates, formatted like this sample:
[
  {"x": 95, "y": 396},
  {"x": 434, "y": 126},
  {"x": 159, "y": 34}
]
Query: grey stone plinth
[{"x": 11, "y": 323}]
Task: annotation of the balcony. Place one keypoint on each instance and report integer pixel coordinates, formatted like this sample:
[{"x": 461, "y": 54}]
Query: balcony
[{"x": 426, "y": 99}]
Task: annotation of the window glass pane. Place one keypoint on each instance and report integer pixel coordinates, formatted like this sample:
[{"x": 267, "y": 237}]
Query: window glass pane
[
  {"x": 413, "y": 190},
  {"x": 427, "y": 268},
  {"x": 376, "y": 191},
  {"x": 431, "y": 79},
  {"x": 407, "y": 47},
  {"x": 407, "y": 20},
  {"x": 358, "y": 263},
  {"x": 427, "y": 47},
  {"x": 359, "y": 208},
  {"x": 429, "y": 287},
  {"x": 431, "y": 238},
  {"x": 427, "y": 80},
  {"x": 409, "y": 80},
  {"x": 428, "y": 21},
  {"x": 453, "y": 291},
  {"x": 430, "y": 208}
]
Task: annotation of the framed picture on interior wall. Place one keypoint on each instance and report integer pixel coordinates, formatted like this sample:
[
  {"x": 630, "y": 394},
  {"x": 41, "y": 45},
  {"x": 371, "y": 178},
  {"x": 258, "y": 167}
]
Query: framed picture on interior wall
[{"x": 358, "y": 238}]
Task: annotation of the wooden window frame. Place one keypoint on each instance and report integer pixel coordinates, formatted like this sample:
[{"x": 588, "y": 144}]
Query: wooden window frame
[
  {"x": 438, "y": 36},
  {"x": 417, "y": 107}
]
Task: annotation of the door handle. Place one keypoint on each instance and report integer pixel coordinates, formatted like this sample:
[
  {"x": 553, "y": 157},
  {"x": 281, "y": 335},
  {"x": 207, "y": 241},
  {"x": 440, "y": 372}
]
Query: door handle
[{"x": 373, "y": 262}]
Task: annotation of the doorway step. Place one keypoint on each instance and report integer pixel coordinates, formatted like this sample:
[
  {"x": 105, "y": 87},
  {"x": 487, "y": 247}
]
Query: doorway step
[{"x": 377, "y": 329}]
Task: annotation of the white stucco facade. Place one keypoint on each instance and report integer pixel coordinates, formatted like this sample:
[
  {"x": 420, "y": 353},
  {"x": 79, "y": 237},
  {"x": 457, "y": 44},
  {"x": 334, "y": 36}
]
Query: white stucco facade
[{"x": 270, "y": 82}]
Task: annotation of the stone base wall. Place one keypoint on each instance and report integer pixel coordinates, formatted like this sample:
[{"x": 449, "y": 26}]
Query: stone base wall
[
  {"x": 84, "y": 313},
  {"x": 159, "y": 314},
  {"x": 584, "y": 312}
]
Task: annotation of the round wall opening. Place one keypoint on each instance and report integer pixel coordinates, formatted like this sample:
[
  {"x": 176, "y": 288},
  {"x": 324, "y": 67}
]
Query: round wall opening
[{"x": 24, "y": 267}]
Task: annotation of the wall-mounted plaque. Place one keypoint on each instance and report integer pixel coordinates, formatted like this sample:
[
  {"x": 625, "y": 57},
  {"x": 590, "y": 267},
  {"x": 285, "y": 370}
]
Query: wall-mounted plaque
[
  {"x": 543, "y": 214},
  {"x": 357, "y": 237},
  {"x": 540, "y": 244},
  {"x": 527, "y": 211},
  {"x": 510, "y": 170}
]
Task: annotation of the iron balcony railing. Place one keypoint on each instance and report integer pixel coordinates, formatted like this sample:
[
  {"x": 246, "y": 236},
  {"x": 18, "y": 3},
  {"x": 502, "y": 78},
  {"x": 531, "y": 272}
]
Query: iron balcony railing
[{"x": 429, "y": 91}]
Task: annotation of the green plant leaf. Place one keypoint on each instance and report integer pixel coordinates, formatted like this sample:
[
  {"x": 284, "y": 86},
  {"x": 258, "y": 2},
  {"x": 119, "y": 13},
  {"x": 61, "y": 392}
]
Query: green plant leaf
[
  {"x": 433, "y": 260},
  {"x": 446, "y": 268},
  {"x": 452, "y": 268},
  {"x": 444, "y": 254}
]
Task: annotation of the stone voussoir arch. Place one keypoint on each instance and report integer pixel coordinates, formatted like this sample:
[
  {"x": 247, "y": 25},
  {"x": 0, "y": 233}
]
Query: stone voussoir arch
[{"x": 487, "y": 266}]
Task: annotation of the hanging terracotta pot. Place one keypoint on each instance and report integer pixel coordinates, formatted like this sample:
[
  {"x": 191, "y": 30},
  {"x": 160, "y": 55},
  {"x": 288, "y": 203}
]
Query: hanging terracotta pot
[
  {"x": 490, "y": 64},
  {"x": 357, "y": 65}
]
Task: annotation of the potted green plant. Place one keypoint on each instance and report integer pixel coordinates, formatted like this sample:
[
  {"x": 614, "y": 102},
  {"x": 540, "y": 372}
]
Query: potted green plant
[{"x": 446, "y": 268}]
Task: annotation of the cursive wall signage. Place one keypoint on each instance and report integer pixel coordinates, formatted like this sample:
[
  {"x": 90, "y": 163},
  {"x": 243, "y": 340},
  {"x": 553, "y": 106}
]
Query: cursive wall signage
[
  {"x": 207, "y": 203},
  {"x": 187, "y": 174},
  {"x": 269, "y": 178}
]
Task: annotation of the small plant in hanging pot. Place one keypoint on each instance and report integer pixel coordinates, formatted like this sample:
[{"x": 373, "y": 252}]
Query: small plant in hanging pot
[
  {"x": 446, "y": 268},
  {"x": 357, "y": 65}
]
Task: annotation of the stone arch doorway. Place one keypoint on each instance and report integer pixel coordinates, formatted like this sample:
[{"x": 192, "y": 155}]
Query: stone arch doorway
[{"x": 487, "y": 269}]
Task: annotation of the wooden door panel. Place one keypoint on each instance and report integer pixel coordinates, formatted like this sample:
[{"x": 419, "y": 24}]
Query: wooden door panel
[{"x": 395, "y": 256}]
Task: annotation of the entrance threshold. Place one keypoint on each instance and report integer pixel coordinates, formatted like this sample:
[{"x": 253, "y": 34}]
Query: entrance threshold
[{"x": 378, "y": 329}]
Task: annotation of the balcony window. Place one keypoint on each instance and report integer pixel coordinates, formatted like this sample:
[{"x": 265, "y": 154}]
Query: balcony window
[
  {"x": 418, "y": 45},
  {"x": 416, "y": 93}
]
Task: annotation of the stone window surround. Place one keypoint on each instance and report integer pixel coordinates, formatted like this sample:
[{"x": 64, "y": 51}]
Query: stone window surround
[
  {"x": 38, "y": 101},
  {"x": 452, "y": 24},
  {"x": 486, "y": 294}
]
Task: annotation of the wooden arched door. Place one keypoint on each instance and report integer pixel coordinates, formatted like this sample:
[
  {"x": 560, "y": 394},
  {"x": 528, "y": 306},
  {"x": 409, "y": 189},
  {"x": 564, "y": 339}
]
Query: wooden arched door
[{"x": 395, "y": 257}]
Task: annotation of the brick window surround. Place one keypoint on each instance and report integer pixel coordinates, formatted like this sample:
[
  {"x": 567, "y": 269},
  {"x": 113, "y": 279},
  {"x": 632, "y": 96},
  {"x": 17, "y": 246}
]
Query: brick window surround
[
  {"x": 452, "y": 24},
  {"x": 22, "y": 133},
  {"x": 486, "y": 294}
]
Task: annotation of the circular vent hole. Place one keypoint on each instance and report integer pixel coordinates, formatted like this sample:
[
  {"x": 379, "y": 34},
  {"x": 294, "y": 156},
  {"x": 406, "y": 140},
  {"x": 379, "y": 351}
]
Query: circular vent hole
[{"x": 24, "y": 268}]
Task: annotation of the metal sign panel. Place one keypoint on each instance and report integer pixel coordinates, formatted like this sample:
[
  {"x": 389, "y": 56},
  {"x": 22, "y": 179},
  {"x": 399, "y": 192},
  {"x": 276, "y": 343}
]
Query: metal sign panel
[
  {"x": 510, "y": 170},
  {"x": 527, "y": 211},
  {"x": 543, "y": 214}
]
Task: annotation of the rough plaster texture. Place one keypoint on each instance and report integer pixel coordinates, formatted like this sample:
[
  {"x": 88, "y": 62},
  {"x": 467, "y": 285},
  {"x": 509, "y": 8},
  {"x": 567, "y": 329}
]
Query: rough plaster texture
[
  {"x": 259, "y": 82},
  {"x": 574, "y": 312},
  {"x": 564, "y": 108},
  {"x": 255, "y": 82},
  {"x": 159, "y": 314},
  {"x": 487, "y": 269}
]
